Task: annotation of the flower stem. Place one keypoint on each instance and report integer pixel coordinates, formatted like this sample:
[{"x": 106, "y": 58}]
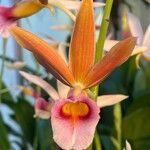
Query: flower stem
[
  {"x": 2, "y": 66},
  {"x": 35, "y": 142},
  {"x": 101, "y": 38},
  {"x": 97, "y": 141},
  {"x": 117, "y": 140},
  {"x": 37, "y": 70},
  {"x": 103, "y": 31},
  {"x": 99, "y": 55}
]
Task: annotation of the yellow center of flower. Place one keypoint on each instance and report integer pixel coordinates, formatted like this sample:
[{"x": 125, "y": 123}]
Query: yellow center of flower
[{"x": 78, "y": 109}]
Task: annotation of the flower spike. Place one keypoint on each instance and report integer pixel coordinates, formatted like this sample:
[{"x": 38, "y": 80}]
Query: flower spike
[
  {"x": 115, "y": 57},
  {"x": 46, "y": 55},
  {"x": 82, "y": 43}
]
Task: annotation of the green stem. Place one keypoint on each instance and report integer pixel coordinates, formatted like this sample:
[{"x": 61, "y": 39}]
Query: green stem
[
  {"x": 38, "y": 89},
  {"x": 97, "y": 141},
  {"x": 102, "y": 37},
  {"x": 99, "y": 54},
  {"x": 2, "y": 65},
  {"x": 35, "y": 142},
  {"x": 117, "y": 127},
  {"x": 103, "y": 31}
]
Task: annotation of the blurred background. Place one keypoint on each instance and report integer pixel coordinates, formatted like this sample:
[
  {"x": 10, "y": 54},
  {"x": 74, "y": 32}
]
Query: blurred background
[{"x": 130, "y": 120}]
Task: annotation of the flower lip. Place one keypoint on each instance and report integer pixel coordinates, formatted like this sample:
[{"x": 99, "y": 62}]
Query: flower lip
[
  {"x": 75, "y": 110},
  {"x": 78, "y": 132},
  {"x": 6, "y": 12}
]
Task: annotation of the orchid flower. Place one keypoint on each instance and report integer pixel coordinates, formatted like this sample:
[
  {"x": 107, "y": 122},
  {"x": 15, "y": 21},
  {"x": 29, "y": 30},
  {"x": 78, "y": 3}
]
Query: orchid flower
[
  {"x": 43, "y": 108},
  {"x": 74, "y": 118},
  {"x": 10, "y": 15},
  {"x": 26, "y": 8},
  {"x": 136, "y": 30}
]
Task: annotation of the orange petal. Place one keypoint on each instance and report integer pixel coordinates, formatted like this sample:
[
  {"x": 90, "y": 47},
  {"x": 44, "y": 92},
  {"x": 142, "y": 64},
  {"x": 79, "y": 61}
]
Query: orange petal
[
  {"x": 46, "y": 55},
  {"x": 115, "y": 57},
  {"x": 82, "y": 43}
]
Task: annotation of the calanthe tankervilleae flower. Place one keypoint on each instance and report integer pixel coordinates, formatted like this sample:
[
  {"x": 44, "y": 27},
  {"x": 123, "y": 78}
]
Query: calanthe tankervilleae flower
[
  {"x": 43, "y": 108},
  {"x": 74, "y": 118}
]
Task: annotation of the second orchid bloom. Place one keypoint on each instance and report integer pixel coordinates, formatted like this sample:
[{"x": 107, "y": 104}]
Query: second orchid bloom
[{"x": 75, "y": 117}]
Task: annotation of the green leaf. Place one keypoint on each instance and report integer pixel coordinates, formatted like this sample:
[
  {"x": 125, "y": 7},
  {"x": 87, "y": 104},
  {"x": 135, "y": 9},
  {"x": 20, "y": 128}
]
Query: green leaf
[
  {"x": 142, "y": 144},
  {"x": 6, "y": 97},
  {"x": 24, "y": 116},
  {"x": 138, "y": 103},
  {"x": 45, "y": 136},
  {"x": 103, "y": 31},
  {"x": 137, "y": 124},
  {"x": 117, "y": 135},
  {"x": 4, "y": 141}
]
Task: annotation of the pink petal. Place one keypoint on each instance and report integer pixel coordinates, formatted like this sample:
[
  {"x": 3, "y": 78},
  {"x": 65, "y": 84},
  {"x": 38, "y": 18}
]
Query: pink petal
[
  {"x": 128, "y": 146},
  {"x": 135, "y": 27},
  {"x": 108, "y": 100},
  {"x": 43, "y": 84},
  {"x": 74, "y": 136},
  {"x": 42, "y": 108},
  {"x": 62, "y": 89},
  {"x": 109, "y": 44},
  {"x": 146, "y": 42},
  {"x": 137, "y": 50}
]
